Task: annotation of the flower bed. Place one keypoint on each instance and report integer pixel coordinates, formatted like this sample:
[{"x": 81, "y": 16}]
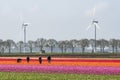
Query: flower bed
[
  {"x": 78, "y": 66},
  {"x": 61, "y": 69}
]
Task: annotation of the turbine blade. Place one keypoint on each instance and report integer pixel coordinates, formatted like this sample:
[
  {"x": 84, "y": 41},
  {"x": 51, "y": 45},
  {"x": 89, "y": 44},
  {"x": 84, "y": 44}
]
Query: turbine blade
[
  {"x": 89, "y": 26},
  {"x": 21, "y": 18},
  {"x": 97, "y": 25},
  {"x": 94, "y": 10},
  {"x": 22, "y": 25}
]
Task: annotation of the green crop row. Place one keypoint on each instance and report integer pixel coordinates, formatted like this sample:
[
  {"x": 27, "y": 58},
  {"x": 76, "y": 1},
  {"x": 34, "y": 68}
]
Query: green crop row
[{"x": 46, "y": 76}]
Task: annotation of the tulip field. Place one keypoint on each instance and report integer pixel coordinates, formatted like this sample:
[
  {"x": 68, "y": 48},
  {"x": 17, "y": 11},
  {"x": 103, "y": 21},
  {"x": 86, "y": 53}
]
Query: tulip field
[{"x": 69, "y": 68}]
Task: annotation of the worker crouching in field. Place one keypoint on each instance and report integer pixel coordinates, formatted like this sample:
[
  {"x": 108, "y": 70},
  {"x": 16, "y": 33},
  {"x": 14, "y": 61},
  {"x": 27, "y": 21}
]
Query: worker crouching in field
[
  {"x": 19, "y": 60},
  {"x": 49, "y": 59},
  {"x": 40, "y": 60},
  {"x": 28, "y": 59}
]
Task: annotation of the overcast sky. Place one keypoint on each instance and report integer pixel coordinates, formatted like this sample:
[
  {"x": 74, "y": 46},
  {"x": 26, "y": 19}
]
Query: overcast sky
[{"x": 59, "y": 19}]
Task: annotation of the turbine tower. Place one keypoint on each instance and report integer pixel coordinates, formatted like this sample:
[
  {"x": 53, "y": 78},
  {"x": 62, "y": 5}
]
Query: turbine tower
[
  {"x": 24, "y": 25},
  {"x": 95, "y": 24},
  {"x": 24, "y": 28}
]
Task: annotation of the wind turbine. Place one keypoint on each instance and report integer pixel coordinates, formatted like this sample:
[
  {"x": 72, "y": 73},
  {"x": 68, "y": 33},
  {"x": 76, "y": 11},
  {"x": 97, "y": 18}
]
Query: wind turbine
[
  {"x": 24, "y": 26},
  {"x": 95, "y": 24}
]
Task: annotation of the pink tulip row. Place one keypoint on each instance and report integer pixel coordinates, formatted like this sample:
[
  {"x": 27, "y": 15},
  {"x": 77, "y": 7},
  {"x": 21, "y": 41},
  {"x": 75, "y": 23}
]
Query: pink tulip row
[{"x": 61, "y": 69}]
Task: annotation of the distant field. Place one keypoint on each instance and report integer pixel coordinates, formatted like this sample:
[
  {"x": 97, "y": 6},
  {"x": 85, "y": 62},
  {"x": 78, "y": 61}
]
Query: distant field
[{"x": 42, "y": 76}]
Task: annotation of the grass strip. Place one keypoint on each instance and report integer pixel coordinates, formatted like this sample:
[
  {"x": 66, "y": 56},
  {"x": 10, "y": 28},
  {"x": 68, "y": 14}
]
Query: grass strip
[{"x": 43, "y": 76}]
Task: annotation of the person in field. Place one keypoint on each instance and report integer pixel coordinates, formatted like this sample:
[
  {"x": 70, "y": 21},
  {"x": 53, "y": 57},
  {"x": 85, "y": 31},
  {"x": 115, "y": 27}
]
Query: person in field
[
  {"x": 28, "y": 59},
  {"x": 19, "y": 60},
  {"x": 49, "y": 59},
  {"x": 40, "y": 60}
]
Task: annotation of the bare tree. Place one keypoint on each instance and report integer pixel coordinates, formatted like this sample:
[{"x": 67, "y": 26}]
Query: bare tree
[
  {"x": 4, "y": 46},
  {"x": 64, "y": 45},
  {"x": 114, "y": 44},
  {"x": 102, "y": 43},
  {"x": 83, "y": 44},
  {"x": 61, "y": 45},
  {"x": 118, "y": 43},
  {"x": 10, "y": 44},
  {"x": 92, "y": 44},
  {"x": 20, "y": 45},
  {"x": 41, "y": 42},
  {"x": 73, "y": 44},
  {"x": 31, "y": 45},
  {"x": 51, "y": 43},
  {"x": 1, "y": 44}
]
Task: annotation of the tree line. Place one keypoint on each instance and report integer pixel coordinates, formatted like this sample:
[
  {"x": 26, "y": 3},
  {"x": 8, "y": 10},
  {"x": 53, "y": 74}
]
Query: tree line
[{"x": 63, "y": 45}]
